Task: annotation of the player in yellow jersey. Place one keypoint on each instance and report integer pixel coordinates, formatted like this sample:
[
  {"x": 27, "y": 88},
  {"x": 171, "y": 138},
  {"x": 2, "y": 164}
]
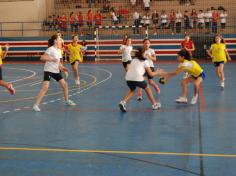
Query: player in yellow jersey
[
  {"x": 75, "y": 56},
  {"x": 219, "y": 56},
  {"x": 8, "y": 86},
  {"x": 195, "y": 72}
]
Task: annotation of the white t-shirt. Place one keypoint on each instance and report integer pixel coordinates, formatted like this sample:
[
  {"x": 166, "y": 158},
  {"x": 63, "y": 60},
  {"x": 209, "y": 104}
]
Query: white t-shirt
[
  {"x": 150, "y": 52},
  {"x": 136, "y": 70},
  {"x": 146, "y": 3},
  {"x": 53, "y": 67},
  {"x": 200, "y": 17},
  {"x": 164, "y": 18},
  {"x": 178, "y": 17},
  {"x": 126, "y": 52},
  {"x": 208, "y": 16},
  {"x": 223, "y": 17}
]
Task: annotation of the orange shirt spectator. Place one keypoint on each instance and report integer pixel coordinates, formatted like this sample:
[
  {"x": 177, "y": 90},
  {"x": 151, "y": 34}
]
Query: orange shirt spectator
[{"x": 98, "y": 18}]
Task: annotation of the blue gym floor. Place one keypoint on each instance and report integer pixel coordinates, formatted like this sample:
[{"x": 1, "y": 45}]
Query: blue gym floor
[{"x": 95, "y": 139}]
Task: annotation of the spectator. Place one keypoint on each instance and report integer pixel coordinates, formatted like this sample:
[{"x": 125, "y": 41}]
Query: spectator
[
  {"x": 98, "y": 18},
  {"x": 136, "y": 18},
  {"x": 193, "y": 18},
  {"x": 133, "y": 3},
  {"x": 207, "y": 18},
  {"x": 186, "y": 21},
  {"x": 80, "y": 22},
  {"x": 188, "y": 45},
  {"x": 155, "y": 20},
  {"x": 223, "y": 16},
  {"x": 172, "y": 18},
  {"x": 106, "y": 7},
  {"x": 146, "y": 4},
  {"x": 200, "y": 17},
  {"x": 215, "y": 19},
  {"x": 72, "y": 22},
  {"x": 178, "y": 21},
  {"x": 146, "y": 20},
  {"x": 63, "y": 23},
  {"x": 90, "y": 21},
  {"x": 164, "y": 18},
  {"x": 114, "y": 17}
]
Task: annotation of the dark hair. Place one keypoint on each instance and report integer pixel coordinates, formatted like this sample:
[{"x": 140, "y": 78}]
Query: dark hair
[
  {"x": 184, "y": 53},
  {"x": 73, "y": 36},
  {"x": 84, "y": 43},
  {"x": 139, "y": 53},
  {"x": 222, "y": 40},
  {"x": 146, "y": 39},
  {"x": 51, "y": 40}
]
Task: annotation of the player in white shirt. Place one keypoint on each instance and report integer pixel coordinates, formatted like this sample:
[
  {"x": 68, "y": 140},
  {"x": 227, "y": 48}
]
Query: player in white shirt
[
  {"x": 125, "y": 51},
  {"x": 134, "y": 78},
  {"x": 150, "y": 55},
  {"x": 52, "y": 69}
]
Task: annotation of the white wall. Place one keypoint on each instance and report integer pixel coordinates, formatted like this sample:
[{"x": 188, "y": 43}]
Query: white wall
[{"x": 22, "y": 11}]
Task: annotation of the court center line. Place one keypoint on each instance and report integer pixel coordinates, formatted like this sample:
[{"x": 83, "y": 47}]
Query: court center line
[{"x": 58, "y": 150}]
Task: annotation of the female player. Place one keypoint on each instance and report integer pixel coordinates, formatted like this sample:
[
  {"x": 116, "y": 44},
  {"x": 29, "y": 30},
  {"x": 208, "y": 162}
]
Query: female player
[
  {"x": 196, "y": 75},
  {"x": 134, "y": 78},
  {"x": 52, "y": 69},
  {"x": 75, "y": 52},
  {"x": 219, "y": 56},
  {"x": 150, "y": 55},
  {"x": 8, "y": 86},
  {"x": 126, "y": 50}
]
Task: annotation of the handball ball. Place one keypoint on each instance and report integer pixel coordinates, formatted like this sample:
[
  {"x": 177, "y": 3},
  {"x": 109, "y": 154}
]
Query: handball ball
[{"x": 162, "y": 80}]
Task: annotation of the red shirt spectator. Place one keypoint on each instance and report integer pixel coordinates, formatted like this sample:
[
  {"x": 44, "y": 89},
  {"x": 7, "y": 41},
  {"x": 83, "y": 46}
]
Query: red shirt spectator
[
  {"x": 215, "y": 16},
  {"x": 188, "y": 44},
  {"x": 90, "y": 18},
  {"x": 80, "y": 19},
  {"x": 98, "y": 18},
  {"x": 63, "y": 22}
]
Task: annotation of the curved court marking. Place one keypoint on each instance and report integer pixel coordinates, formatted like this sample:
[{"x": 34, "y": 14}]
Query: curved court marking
[
  {"x": 116, "y": 152},
  {"x": 24, "y": 78},
  {"x": 86, "y": 87}
]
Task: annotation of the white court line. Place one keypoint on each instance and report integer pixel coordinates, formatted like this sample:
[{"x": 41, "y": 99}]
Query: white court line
[
  {"x": 24, "y": 78},
  {"x": 91, "y": 85}
]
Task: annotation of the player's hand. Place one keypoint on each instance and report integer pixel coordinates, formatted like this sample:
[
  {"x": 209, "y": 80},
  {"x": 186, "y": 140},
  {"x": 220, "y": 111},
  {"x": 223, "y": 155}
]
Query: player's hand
[{"x": 64, "y": 69}]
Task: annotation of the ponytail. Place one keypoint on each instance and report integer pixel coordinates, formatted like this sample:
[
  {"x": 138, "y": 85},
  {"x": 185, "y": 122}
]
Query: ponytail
[{"x": 51, "y": 40}]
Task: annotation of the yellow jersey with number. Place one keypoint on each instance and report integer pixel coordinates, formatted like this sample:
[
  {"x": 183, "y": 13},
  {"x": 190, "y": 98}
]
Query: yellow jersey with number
[
  {"x": 218, "y": 52},
  {"x": 191, "y": 67},
  {"x": 75, "y": 52}
]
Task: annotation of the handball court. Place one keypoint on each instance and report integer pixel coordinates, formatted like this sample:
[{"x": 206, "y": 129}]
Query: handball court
[{"x": 95, "y": 138}]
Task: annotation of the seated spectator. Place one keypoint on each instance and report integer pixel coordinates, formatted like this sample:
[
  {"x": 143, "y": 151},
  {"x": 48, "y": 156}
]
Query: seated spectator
[
  {"x": 106, "y": 7},
  {"x": 122, "y": 13},
  {"x": 114, "y": 17},
  {"x": 133, "y": 3},
  {"x": 146, "y": 4}
]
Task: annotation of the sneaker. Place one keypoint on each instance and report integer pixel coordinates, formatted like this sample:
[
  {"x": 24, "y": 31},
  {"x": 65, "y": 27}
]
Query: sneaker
[
  {"x": 222, "y": 85},
  {"x": 194, "y": 100},
  {"x": 36, "y": 108},
  {"x": 122, "y": 106},
  {"x": 70, "y": 103},
  {"x": 182, "y": 100},
  {"x": 156, "y": 106},
  {"x": 77, "y": 82},
  {"x": 11, "y": 88},
  {"x": 139, "y": 98}
]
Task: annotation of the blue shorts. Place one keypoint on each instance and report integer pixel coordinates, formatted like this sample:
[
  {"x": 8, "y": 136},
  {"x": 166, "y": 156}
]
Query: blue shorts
[
  {"x": 203, "y": 75},
  {"x": 217, "y": 64}
]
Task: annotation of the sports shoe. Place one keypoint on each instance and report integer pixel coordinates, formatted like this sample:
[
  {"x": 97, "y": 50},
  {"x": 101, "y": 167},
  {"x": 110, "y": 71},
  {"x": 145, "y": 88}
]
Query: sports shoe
[
  {"x": 182, "y": 100},
  {"x": 70, "y": 103},
  {"x": 77, "y": 82},
  {"x": 11, "y": 88},
  {"x": 156, "y": 106},
  {"x": 36, "y": 108},
  {"x": 122, "y": 106},
  {"x": 222, "y": 85},
  {"x": 194, "y": 100},
  {"x": 139, "y": 97}
]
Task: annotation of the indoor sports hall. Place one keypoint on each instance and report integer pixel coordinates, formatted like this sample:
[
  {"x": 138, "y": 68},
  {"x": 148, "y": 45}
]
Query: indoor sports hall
[{"x": 94, "y": 137}]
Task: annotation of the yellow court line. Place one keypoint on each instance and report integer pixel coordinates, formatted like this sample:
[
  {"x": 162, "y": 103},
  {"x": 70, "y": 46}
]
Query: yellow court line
[{"x": 116, "y": 152}]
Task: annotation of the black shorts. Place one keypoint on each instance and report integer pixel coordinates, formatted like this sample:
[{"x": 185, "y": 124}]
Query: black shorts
[
  {"x": 223, "y": 25},
  {"x": 217, "y": 64},
  {"x": 133, "y": 84},
  {"x": 147, "y": 75},
  {"x": 74, "y": 62},
  {"x": 126, "y": 63},
  {"x": 49, "y": 75},
  {"x": 0, "y": 72}
]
